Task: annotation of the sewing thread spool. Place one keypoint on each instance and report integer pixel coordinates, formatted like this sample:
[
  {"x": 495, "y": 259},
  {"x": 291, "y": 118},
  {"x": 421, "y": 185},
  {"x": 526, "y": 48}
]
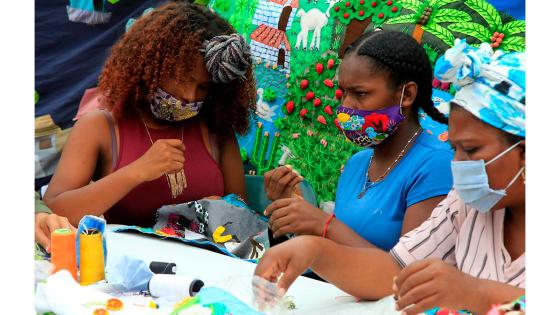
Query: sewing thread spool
[
  {"x": 174, "y": 286},
  {"x": 92, "y": 261},
  {"x": 160, "y": 267},
  {"x": 63, "y": 251}
]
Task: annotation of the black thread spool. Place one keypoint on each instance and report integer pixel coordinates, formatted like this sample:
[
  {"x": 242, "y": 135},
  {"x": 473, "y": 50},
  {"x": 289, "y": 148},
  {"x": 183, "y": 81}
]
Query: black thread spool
[{"x": 160, "y": 267}]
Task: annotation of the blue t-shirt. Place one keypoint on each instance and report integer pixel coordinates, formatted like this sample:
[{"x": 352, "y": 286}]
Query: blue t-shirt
[{"x": 423, "y": 173}]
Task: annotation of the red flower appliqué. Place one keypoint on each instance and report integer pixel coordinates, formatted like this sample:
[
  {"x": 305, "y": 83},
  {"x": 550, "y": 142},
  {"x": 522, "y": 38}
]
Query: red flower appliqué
[{"x": 378, "y": 122}]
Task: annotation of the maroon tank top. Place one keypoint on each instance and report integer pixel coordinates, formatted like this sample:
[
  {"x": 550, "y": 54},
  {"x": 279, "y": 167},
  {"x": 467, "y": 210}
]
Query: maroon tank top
[{"x": 204, "y": 177}]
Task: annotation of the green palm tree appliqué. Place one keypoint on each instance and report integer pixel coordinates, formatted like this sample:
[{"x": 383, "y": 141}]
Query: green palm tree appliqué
[
  {"x": 499, "y": 35},
  {"x": 428, "y": 15}
]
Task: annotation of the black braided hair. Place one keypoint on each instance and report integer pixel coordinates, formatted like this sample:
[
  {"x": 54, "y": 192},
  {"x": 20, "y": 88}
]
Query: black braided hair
[{"x": 404, "y": 60}]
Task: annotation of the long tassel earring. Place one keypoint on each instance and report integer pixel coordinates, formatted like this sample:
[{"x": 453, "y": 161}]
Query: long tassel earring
[{"x": 177, "y": 183}]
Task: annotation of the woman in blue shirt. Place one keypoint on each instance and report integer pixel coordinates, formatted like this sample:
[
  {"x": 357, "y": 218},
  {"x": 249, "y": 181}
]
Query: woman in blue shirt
[{"x": 393, "y": 186}]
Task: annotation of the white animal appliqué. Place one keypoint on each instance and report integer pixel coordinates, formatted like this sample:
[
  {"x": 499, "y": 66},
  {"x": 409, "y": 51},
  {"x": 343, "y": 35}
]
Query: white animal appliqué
[
  {"x": 264, "y": 110},
  {"x": 313, "y": 20}
]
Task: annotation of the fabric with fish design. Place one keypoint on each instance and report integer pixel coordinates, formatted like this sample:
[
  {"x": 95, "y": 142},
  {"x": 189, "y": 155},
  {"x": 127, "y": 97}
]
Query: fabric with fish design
[{"x": 228, "y": 223}]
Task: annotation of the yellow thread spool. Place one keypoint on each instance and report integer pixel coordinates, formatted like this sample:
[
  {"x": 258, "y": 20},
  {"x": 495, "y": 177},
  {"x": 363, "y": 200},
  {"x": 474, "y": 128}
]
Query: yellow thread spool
[
  {"x": 63, "y": 251},
  {"x": 92, "y": 263}
]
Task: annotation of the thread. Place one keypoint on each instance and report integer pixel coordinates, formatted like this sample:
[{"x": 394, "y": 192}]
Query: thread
[
  {"x": 63, "y": 251},
  {"x": 174, "y": 286},
  {"x": 92, "y": 263},
  {"x": 160, "y": 267}
]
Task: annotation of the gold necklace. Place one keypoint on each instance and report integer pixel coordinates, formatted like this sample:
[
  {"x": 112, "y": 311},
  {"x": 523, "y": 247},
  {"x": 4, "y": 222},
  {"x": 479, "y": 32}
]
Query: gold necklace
[
  {"x": 177, "y": 182},
  {"x": 399, "y": 157}
]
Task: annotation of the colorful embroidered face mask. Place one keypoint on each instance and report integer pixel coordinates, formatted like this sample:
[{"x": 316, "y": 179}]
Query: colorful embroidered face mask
[
  {"x": 368, "y": 128},
  {"x": 165, "y": 106}
]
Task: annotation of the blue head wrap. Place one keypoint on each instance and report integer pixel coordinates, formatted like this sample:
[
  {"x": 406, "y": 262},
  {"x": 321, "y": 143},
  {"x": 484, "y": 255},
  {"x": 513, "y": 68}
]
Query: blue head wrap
[{"x": 490, "y": 85}]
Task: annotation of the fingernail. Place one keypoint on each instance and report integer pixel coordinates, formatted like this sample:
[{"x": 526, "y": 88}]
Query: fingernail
[
  {"x": 403, "y": 313},
  {"x": 281, "y": 292}
]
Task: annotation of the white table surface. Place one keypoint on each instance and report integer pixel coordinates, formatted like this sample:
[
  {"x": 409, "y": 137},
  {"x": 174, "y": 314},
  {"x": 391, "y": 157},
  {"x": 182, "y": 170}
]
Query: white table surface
[{"x": 310, "y": 296}]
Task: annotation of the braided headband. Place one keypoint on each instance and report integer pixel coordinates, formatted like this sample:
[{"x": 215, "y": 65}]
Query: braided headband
[{"x": 227, "y": 57}]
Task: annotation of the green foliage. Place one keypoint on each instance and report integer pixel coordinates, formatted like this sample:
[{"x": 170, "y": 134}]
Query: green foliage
[
  {"x": 440, "y": 3},
  {"x": 269, "y": 95},
  {"x": 486, "y": 11},
  {"x": 412, "y": 5},
  {"x": 260, "y": 149},
  {"x": 440, "y": 32},
  {"x": 438, "y": 16},
  {"x": 513, "y": 43},
  {"x": 356, "y": 11},
  {"x": 451, "y": 16},
  {"x": 514, "y": 27},
  {"x": 242, "y": 17},
  {"x": 432, "y": 54},
  {"x": 484, "y": 34},
  {"x": 36, "y": 97},
  {"x": 223, "y": 5},
  {"x": 403, "y": 19},
  {"x": 200, "y": 2},
  {"x": 472, "y": 29},
  {"x": 320, "y": 150},
  {"x": 243, "y": 153}
]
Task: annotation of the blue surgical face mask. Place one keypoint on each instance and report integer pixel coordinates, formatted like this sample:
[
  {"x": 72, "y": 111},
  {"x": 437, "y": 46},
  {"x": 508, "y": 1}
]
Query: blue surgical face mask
[{"x": 471, "y": 183}]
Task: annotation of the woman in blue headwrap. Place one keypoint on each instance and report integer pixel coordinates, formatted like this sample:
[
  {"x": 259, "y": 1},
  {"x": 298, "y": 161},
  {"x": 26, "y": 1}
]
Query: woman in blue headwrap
[{"x": 470, "y": 253}]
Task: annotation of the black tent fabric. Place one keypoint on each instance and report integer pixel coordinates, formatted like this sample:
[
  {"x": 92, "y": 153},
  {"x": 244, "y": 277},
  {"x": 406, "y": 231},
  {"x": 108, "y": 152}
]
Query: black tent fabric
[{"x": 69, "y": 55}]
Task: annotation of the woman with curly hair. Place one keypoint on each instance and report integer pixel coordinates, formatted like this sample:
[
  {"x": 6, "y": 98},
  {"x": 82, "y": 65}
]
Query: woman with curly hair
[{"x": 178, "y": 86}]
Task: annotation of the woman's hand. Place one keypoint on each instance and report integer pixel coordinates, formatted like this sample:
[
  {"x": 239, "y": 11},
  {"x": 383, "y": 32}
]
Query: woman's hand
[
  {"x": 289, "y": 259},
  {"x": 295, "y": 215},
  {"x": 433, "y": 283},
  {"x": 45, "y": 224},
  {"x": 282, "y": 182},
  {"x": 165, "y": 156}
]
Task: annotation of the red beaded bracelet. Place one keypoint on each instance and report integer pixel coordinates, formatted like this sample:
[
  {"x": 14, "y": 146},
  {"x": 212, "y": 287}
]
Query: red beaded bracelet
[{"x": 327, "y": 225}]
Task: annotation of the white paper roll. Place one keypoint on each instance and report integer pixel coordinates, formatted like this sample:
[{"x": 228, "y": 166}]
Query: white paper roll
[{"x": 174, "y": 286}]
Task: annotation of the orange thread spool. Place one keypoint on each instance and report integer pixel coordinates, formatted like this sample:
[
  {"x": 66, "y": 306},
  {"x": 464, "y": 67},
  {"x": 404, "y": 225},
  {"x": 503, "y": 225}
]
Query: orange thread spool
[
  {"x": 63, "y": 251},
  {"x": 92, "y": 261}
]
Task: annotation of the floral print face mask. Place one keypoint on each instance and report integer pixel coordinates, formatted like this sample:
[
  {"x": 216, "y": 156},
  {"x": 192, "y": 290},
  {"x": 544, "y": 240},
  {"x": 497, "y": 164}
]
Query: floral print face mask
[
  {"x": 165, "y": 106},
  {"x": 368, "y": 128}
]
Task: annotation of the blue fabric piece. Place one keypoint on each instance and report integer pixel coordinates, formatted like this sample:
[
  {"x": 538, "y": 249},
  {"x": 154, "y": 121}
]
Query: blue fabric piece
[
  {"x": 132, "y": 273},
  {"x": 130, "y": 22},
  {"x": 490, "y": 85},
  {"x": 205, "y": 244},
  {"x": 234, "y": 200},
  {"x": 424, "y": 172},
  {"x": 211, "y": 295},
  {"x": 91, "y": 222},
  {"x": 86, "y": 5}
]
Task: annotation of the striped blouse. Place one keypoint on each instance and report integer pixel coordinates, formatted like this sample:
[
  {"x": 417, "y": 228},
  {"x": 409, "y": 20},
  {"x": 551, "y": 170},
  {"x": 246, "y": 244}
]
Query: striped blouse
[{"x": 465, "y": 238}]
